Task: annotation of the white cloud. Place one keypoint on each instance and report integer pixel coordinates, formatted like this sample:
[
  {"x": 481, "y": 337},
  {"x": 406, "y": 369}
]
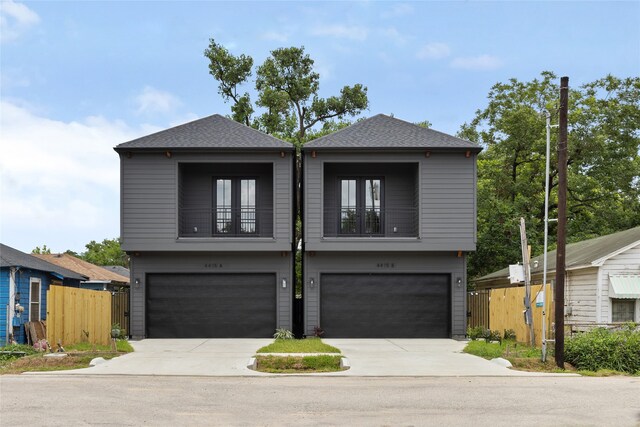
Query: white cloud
[
  {"x": 275, "y": 36},
  {"x": 393, "y": 34},
  {"x": 15, "y": 19},
  {"x": 152, "y": 101},
  {"x": 398, "y": 9},
  {"x": 341, "y": 31},
  {"x": 434, "y": 51},
  {"x": 59, "y": 181},
  {"x": 482, "y": 62}
]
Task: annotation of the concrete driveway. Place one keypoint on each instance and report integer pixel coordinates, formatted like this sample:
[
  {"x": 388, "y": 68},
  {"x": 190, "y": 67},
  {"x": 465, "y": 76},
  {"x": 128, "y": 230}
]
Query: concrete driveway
[
  {"x": 416, "y": 357},
  {"x": 367, "y": 357},
  {"x": 200, "y": 357}
]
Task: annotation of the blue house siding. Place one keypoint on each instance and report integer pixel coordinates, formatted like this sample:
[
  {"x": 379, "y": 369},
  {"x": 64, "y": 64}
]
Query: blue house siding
[
  {"x": 4, "y": 301},
  {"x": 23, "y": 281}
]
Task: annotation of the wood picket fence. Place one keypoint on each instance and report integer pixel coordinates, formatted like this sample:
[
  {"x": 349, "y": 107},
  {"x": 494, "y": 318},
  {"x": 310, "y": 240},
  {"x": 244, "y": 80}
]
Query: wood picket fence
[
  {"x": 78, "y": 315},
  {"x": 506, "y": 308}
]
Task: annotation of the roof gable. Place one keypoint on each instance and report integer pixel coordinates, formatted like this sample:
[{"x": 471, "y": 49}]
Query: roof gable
[
  {"x": 587, "y": 253},
  {"x": 385, "y": 132},
  {"x": 10, "y": 257},
  {"x": 212, "y": 132}
]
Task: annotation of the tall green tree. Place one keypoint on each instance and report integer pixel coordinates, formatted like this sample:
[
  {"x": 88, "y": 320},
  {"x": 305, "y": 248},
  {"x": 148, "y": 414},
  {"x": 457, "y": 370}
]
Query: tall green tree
[
  {"x": 287, "y": 90},
  {"x": 231, "y": 72},
  {"x": 603, "y": 164},
  {"x": 108, "y": 252}
]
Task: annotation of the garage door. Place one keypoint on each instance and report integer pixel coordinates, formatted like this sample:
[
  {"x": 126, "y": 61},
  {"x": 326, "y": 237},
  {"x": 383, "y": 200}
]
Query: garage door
[
  {"x": 385, "y": 305},
  {"x": 211, "y": 305}
]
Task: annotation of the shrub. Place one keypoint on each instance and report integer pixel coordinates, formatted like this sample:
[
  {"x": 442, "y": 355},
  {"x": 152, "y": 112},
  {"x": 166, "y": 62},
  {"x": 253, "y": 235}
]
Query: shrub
[
  {"x": 283, "y": 334},
  {"x": 490, "y": 335},
  {"x": 509, "y": 334},
  {"x": 16, "y": 351},
  {"x": 601, "y": 348},
  {"x": 475, "y": 332}
]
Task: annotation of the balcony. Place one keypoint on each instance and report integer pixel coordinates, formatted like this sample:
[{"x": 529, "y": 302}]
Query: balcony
[
  {"x": 226, "y": 222},
  {"x": 370, "y": 222}
]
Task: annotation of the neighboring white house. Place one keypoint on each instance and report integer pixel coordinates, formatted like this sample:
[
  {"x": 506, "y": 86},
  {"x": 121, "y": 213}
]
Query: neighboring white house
[{"x": 602, "y": 280}]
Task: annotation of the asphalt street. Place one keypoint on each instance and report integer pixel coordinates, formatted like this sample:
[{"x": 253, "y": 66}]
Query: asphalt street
[{"x": 52, "y": 400}]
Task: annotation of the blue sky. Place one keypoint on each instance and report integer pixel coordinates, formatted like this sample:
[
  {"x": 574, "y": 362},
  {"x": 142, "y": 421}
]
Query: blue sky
[{"x": 81, "y": 77}]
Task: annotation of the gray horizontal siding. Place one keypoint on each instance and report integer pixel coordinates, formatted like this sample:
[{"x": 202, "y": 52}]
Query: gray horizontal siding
[
  {"x": 446, "y": 189},
  {"x": 212, "y": 263},
  {"x": 369, "y": 262},
  {"x": 150, "y": 199}
]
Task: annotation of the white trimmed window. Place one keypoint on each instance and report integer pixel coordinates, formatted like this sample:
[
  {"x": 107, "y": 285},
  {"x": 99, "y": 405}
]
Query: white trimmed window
[{"x": 35, "y": 295}]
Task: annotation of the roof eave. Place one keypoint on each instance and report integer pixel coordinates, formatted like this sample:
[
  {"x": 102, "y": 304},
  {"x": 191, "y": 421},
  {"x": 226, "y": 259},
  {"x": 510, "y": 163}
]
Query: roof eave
[
  {"x": 432, "y": 149},
  {"x": 121, "y": 150},
  {"x": 600, "y": 261}
]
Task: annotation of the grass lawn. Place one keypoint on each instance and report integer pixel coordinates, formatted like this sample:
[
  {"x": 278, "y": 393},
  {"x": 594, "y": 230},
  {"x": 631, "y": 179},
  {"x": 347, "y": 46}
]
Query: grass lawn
[
  {"x": 298, "y": 364},
  {"x": 307, "y": 345},
  {"x": 525, "y": 358},
  {"x": 78, "y": 356}
]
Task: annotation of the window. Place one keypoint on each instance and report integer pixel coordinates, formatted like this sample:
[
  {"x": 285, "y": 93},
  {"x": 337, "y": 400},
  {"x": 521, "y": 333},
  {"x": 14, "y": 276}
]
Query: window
[
  {"x": 360, "y": 206},
  {"x": 34, "y": 299},
  {"x": 623, "y": 310},
  {"x": 235, "y": 206}
]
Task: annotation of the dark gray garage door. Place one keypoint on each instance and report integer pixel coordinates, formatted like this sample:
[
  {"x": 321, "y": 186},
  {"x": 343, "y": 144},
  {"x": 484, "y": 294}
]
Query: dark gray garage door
[
  {"x": 385, "y": 305},
  {"x": 211, "y": 305}
]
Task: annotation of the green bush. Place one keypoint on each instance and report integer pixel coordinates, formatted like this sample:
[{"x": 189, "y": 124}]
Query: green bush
[
  {"x": 283, "y": 334},
  {"x": 18, "y": 349},
  {"x": 490, "y": 335},
  {"x": 475, "y": 332},
  {"x": 509, "y": 335},
  {"x": 601, "y": 348}
]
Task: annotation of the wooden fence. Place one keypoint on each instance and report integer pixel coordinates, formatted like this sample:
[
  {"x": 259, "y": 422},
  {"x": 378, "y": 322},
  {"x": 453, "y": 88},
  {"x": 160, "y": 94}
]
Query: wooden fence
[
  {"x": 78, "y": 315},
  {"x": 506, "y": 312},
  {"x": 478, "y": 309},
  {"x": 120, "y": 309}
]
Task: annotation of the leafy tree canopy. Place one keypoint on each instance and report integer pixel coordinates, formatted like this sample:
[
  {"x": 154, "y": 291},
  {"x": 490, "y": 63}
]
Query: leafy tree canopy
[
  {"x": 108, "y": 252},
  {"x": 603, "y": 164},
  {"x": 44, "y": 250},
  {"x": 287, "y": 92}
]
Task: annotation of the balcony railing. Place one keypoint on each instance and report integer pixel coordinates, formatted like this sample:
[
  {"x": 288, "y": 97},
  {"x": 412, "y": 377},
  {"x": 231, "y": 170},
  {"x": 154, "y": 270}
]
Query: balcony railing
[
  {"x": 226, "y": 222},
  {"x": 370, "y": 222}
]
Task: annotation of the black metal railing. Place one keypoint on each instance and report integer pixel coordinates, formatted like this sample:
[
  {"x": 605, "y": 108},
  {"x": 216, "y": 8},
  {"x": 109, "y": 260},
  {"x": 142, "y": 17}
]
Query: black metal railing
[
  {"x": 370, "y": 222},
  {"x": 226, "y": 222}
]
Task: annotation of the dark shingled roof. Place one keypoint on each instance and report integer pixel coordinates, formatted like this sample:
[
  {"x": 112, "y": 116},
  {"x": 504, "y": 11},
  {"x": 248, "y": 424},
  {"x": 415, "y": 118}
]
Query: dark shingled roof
[
  {"x": 213, "y": 132},
  {"x": 384, "y": 132},
  {"x": 10, "y": 257},
  {"x": 118, "y": 269},
  {"x": 580, "y": 254}
]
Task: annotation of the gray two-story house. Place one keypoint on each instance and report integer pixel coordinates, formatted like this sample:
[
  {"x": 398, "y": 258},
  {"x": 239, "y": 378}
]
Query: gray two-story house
[
  {"x": 207, "y": 219},
  {"x": 389, "y": 215}
]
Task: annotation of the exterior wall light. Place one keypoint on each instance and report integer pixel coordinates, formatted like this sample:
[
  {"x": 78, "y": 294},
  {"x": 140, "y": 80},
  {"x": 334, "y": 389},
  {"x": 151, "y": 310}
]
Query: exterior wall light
[
  {"x": 312, "y": 283},
  {"x": 459, "y": 281},
  {"x": 284, "y": 283},
  {"x": 137, "y": 282}
]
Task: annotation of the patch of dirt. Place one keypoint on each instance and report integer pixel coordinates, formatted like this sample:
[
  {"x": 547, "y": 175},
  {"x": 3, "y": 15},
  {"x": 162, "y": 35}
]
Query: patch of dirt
[{"x": 530, "y": 364}]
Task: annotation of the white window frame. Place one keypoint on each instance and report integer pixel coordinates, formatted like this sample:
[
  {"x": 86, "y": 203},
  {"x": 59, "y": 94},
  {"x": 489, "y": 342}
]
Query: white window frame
[{"x": 33, "y": 280}]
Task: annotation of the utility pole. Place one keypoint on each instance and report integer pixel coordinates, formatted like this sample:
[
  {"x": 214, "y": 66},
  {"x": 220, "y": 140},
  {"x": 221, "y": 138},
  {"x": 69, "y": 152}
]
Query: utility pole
[
  {"x": 546, "y": 237},
  {"x": 528, "y": 314},
  {"x": 562, "y": 221}
]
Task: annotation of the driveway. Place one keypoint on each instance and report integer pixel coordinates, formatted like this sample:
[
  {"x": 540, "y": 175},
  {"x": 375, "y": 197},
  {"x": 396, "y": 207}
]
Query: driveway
[
  {"x": 200, "y": 357},
  {"x": 416, "y": 357},
  {"x": 367, "y": 357}
]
